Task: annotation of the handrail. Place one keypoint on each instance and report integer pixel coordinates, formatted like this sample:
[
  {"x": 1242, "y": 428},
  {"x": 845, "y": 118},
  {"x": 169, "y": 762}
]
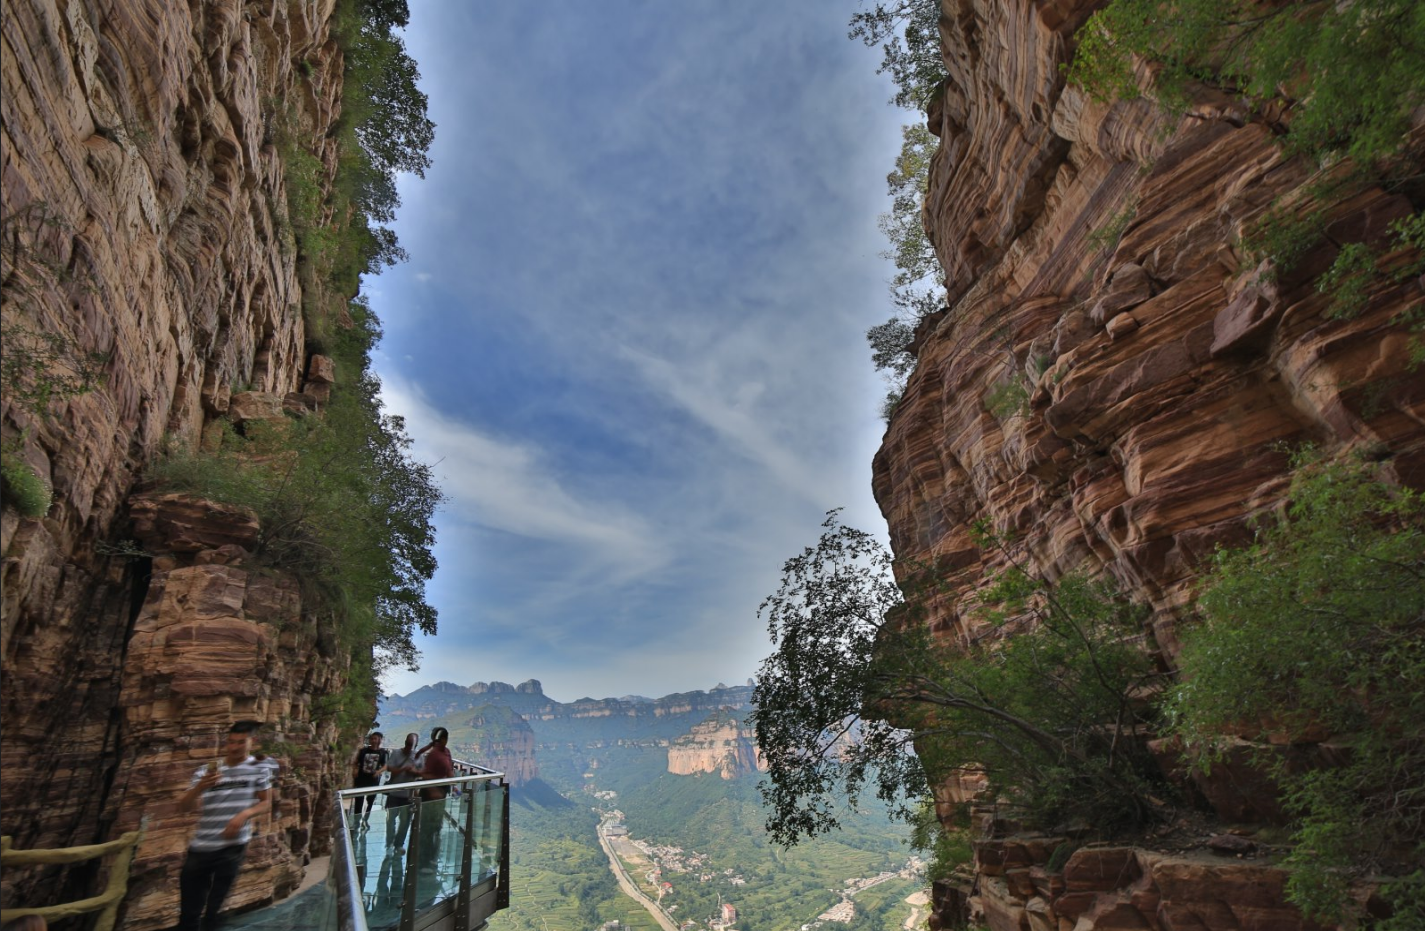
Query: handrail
[
  {"x": 349, "y": 862},
  {"x": 485, "y": 775},
  {"x": 106, "y": 902},
  {"x": 353, "y": 918}
]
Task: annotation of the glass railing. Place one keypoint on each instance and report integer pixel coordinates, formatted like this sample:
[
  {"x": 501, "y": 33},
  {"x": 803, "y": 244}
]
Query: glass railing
[{"x": 408, "y": 864}]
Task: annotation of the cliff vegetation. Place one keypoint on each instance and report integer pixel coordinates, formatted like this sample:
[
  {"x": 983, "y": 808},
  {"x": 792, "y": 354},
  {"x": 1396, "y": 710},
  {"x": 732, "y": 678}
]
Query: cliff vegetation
[
  {"x": 207, "y": 514},
  {"x": 1156, "y": 661}
]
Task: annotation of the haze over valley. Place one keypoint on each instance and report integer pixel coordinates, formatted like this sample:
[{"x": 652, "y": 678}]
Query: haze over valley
[{"x": 645, "y": 811}]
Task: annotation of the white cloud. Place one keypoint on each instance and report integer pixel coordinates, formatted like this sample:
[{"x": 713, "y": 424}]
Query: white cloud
[{"x": 509, "y": 487}]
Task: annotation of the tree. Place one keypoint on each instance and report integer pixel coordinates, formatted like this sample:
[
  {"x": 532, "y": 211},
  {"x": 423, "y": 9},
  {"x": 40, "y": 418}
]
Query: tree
[
  {"x": 857, "y": 692},
  {"x": 908, "y": 32},
  {"x": 1319, "y": 626},
  {"x": 915, "y": 289}
]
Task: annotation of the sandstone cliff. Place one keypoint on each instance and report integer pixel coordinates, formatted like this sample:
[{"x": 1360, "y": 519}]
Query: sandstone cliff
[
  {"x": 144, "y": 219},
  {"x": 718, "y": 745},
  {"x": 1164, "y": 373}
]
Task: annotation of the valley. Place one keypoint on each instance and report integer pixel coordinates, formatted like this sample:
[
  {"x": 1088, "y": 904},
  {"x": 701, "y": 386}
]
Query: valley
[{"x": 602, "y": 831}]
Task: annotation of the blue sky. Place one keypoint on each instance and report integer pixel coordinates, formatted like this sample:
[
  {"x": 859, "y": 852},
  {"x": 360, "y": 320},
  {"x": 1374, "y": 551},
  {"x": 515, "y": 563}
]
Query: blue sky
[{"x": 631, "y": 331}]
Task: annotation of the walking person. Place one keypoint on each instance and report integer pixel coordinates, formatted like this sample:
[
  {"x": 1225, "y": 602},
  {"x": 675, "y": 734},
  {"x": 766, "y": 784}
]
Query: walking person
[
  {"x": 230, "y": 794},
  {"x": 403, "y": 767},
  {"x": 366, "y": 769}
]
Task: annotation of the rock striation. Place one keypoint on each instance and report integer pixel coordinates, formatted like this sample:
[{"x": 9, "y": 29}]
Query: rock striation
[
  {"x": 145, "y": 222},
  {"x": 1157, "y": 374},
  {"x": 718, "y": 745}
]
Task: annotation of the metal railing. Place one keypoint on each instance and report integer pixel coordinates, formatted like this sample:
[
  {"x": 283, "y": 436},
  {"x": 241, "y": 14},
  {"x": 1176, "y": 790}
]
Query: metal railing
[{"x": 439, "y": 865}]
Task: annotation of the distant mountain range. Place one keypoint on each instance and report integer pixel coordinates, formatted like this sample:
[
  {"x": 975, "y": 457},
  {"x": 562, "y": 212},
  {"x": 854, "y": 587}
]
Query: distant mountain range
[{"x": 516, "y": 728}]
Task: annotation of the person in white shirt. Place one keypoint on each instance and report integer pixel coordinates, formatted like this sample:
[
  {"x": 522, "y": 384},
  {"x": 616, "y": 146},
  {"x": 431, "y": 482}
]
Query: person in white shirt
[{"x": 230, "y": 794}]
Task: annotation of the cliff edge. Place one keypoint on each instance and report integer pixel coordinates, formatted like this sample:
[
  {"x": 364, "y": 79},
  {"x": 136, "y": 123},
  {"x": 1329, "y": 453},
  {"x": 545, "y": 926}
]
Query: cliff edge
[
  {"x": 147, "y": 231},
  {"x": 1156, "y": 377}
]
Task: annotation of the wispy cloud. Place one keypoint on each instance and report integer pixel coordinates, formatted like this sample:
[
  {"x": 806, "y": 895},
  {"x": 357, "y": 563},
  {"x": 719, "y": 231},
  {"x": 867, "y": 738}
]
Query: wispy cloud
[
  {"x": 631, "y": 334},
  {"x": 510, "y": 487}
]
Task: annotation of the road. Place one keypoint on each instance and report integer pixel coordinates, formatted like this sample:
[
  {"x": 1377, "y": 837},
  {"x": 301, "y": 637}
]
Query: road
[{"x": 629, "y": 889}]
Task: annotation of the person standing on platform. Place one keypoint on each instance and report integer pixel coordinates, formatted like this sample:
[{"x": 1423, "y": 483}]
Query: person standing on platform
[
  {"x": 403, "y": 767},
  {"x": 230, "y": 794},
  {"x": 366, "y": 769},
  {"x": 436, "y": 764}
]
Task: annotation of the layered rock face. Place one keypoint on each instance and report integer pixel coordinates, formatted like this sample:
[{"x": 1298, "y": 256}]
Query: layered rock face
[
  {"x": 718, "y": 745},
  {"x": 1116, "y": 382},
  {"x": 219, "y": 640},
  {"x": 144, "y": 219}
]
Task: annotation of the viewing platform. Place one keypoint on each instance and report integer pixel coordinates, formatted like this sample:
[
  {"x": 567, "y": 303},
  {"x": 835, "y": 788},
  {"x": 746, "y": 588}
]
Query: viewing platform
[{"x": 427, "y": 866}]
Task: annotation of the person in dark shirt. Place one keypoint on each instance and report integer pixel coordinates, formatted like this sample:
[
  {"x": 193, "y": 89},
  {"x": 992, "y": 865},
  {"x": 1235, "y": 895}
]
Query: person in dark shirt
[{"x": 366, "y": 769}]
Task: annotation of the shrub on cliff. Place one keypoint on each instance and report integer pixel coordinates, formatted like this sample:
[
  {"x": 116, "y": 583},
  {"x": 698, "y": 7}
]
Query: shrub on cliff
[
  {"x": 383, "y": 130},
  {"x": 342, "y": 504},
  {"x": 1352, "y": 71},
  {"x": 1318, "y": 628},
  {"x": 859, "y": 693}
]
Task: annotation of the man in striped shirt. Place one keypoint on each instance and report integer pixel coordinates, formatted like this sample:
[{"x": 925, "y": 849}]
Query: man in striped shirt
[{"x": 231, "y": 795}]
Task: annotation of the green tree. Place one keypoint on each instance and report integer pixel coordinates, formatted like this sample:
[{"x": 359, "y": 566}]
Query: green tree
[
  {"x": 858, "y": 693},
  {"x": 908, "y": 32},
  {"x": 915, "y": 289},
  {"x": 1319, "y": 627}
]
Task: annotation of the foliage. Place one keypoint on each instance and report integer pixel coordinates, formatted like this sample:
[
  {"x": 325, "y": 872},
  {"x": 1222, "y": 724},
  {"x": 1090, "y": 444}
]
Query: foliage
[
  {"x": 908, "y": 32},
  {"x": 24, "y": 490},
  {"x": 384, "y": 130},
  {"x": 1347, "y": 280},
  {"x": 1319, "y": 625},
  {"x": 890, "y": 348},
  {"x": 915, "y": 293},
  {"x": 342, "y": 504},
  {"x": 41, "y": 367},
  {"x": 1352, "y": 70},
  {"x": 1008, "y": 397},
  {"x": 1039, "y": 703},
  {"x": 947, "y": 848},
  {"x": 1105, "y": 238}
]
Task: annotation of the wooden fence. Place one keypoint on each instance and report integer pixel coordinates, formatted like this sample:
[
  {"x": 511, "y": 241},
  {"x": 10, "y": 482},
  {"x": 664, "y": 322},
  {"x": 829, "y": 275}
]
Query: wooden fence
[{"x": 106, "y": 902}]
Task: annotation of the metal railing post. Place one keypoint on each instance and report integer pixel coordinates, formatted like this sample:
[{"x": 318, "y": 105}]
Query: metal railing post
[
  {"x": 462, "y": 902},
  {"x": 502, "y": 884},
  {"x": 408, "y": 897}
]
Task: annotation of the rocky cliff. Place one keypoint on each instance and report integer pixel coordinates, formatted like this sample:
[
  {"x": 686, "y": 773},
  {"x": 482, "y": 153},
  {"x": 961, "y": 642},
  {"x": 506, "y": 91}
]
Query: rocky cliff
[
  {"x": 1163, "y": 373},
  {"x": 718, "y": 745},
  {"x": 145, "y": 225},
  {"x": 496, "y": 737}
]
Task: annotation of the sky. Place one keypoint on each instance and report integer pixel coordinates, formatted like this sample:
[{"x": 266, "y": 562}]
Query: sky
[{"x": 630, "y": 336}]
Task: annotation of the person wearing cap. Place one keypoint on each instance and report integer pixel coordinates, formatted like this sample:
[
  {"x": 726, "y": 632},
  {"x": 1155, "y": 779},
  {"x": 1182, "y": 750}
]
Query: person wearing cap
[
  {"x": 435, "y": 764},
  {"x": 230, "y": 794}
]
